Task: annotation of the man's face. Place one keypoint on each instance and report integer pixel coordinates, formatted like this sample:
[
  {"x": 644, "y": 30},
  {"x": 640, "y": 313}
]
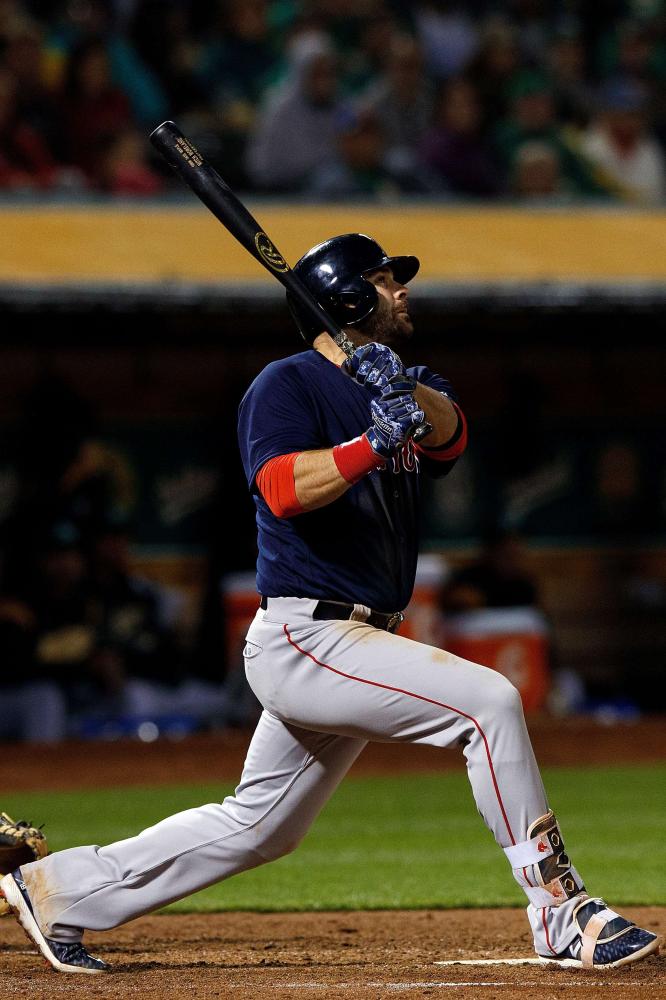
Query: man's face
[{"x": 390, "y": 323}]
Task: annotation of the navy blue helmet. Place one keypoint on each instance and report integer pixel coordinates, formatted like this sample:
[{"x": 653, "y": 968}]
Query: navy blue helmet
[{"x": 334, "y": 271}]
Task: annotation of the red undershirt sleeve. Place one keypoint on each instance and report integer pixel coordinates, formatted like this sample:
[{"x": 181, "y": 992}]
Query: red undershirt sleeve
[{"x": 277, "y": 485}]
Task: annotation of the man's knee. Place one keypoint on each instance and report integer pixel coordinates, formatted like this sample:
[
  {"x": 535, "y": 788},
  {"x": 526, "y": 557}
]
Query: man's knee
[
  {"x": 504, "y": 698},
  {"x": 277, "y": 843}
]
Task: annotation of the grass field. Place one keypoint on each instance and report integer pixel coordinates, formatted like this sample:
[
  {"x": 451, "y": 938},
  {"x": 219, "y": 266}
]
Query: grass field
[{"x": 408, "y": 842}]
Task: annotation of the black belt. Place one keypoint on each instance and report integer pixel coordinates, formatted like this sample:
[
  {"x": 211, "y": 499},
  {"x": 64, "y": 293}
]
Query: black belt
[{"x": 330, "y": 610}]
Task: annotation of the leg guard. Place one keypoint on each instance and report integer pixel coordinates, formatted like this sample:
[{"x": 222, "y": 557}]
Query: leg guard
[{"x": 541, "y": 866}]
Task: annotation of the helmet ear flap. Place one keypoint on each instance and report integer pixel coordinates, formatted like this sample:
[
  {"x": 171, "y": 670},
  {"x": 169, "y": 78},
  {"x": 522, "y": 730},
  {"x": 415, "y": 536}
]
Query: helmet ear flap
[
  {"x": 354, "y": 304},
  {"x": 349, "y": 301}
]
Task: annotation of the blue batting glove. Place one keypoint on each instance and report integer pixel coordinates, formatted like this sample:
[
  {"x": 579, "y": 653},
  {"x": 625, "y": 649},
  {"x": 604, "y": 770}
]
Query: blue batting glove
[
  {"x": 373, "y": 365},
  {"x": 394, "y": 421}
]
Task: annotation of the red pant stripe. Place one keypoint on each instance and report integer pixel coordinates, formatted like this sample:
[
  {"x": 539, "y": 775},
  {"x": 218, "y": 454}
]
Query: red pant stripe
[
  {"x": 544, "y": 921},
  {"x": 420, "y": 697}
]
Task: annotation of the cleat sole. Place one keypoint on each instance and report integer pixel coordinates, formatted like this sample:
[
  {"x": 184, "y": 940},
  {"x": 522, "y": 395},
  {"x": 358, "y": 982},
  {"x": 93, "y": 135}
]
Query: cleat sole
[{"x": 21, "y": 911}]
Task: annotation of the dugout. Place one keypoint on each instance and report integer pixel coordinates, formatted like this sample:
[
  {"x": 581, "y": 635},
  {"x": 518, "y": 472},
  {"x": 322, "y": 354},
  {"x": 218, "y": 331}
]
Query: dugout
[{"x": 549, "y": 323}]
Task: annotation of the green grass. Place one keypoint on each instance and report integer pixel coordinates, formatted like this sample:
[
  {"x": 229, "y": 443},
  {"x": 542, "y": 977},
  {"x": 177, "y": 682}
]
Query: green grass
[{"x": 414, "y": 841}]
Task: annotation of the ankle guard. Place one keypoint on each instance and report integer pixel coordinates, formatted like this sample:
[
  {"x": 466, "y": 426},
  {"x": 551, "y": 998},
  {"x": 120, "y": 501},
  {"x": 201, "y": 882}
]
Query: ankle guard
[{"x": 541, "y": 867}]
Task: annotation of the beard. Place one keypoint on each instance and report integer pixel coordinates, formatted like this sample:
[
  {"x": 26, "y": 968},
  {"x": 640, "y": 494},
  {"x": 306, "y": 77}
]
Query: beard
[{"x": 387, "y": 325}]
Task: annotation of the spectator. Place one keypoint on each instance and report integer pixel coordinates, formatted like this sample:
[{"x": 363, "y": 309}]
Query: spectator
[
  {"x": 240, "y": 61},
  {"x": 493, "y": 69},
  {"x": 360, "y": 166},
  {"x": 166, "y": 42},
  {"x": 455, "y": 148},
  {"x": 48, "y": 625},
  {"x": 138, "y": 653},
  {"x": 135, "y": 619},
  {"x": 628, "y": 160},
  {"x": 365, "y": 62},
  {"x": 573, "y": 94},
  {"x": 532, "y": 20},
  {"x": 94, "y": 109},
  {"x": 448, "y": 35},
  {"x": 124, "y": 168},
  {"x": 65, "y": 473},
  {"x": 234, "y": 70},
  {"x": 13, "y": 18},
  {"x": 32, "y": 707},
  {"x": 536, "y": 173},
  {"x": 634, "y": 49},
  {"x": 36, "y": 105},
  {"x": 92, "y": 22},
  {"x": 532, "y": 119},
  {"x": 296, "y": 132},
  {"x": 25, "y": 160},
  {"x": 498, "y": 579},
  {"x": 402, "y": 100}
]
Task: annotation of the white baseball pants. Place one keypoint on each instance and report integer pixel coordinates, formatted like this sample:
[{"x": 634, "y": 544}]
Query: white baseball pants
[{"x": 327, "y": 688}]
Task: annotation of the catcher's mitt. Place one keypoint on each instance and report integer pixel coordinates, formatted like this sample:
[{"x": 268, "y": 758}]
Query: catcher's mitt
[{"x": 19, "y": 843}]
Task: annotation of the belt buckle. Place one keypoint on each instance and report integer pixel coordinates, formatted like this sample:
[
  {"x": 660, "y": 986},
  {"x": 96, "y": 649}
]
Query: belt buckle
[{"x": 396, "y": 619}]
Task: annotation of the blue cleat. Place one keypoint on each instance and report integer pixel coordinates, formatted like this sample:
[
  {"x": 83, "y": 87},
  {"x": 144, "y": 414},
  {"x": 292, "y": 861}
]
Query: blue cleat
[
  {"x": 606, "y": 940},
  {"x": 68, "y": 956}
]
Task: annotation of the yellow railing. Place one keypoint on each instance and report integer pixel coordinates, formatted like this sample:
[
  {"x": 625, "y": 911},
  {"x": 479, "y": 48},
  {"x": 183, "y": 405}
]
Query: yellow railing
[{"x": 148, "y": 244}]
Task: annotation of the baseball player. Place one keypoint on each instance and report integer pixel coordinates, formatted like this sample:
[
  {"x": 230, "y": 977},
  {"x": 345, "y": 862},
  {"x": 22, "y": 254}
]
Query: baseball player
[{"x": 333, "y": 455}]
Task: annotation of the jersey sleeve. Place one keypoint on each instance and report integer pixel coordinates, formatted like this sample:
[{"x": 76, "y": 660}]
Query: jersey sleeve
[
  {"x": 434, "y": 381},
  {"x": 276, "y": 417},
  {"x": 437, "y": 468}
]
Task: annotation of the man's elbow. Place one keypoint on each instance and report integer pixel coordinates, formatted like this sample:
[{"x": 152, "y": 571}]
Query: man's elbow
[{"x": 277, "y": 485}]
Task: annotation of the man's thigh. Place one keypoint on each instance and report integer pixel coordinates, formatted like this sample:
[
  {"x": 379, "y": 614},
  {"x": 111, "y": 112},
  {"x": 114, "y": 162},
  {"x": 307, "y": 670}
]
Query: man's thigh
[{"x": 348, "y": 678}]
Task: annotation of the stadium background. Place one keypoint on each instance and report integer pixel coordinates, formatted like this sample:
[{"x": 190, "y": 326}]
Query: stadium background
[{"x": 132, "y": 324}]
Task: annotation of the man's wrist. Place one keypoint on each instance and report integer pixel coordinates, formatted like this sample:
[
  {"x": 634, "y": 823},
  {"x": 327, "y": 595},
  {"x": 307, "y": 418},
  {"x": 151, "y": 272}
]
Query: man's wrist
[
  {"x": 456, "y": 444},
  {"x": 356, "y": 458}
]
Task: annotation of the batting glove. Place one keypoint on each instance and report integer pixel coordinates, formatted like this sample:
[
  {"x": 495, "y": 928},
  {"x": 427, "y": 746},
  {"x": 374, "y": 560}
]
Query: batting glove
[
  {"x": 373, "y": 365},
  {"x": 394, "y": 421},
  {"x": 399, "y": 386}
]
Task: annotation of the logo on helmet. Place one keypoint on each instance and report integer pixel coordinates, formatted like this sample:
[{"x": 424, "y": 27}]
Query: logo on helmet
[{"x": 269, "y": 253}]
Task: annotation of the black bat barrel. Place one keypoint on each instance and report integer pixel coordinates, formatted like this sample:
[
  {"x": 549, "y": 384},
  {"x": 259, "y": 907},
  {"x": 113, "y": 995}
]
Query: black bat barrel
[{"x": 218, "y": 197}]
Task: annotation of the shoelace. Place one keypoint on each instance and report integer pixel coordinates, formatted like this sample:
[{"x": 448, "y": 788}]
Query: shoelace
[{"x": 75, "y": 953}]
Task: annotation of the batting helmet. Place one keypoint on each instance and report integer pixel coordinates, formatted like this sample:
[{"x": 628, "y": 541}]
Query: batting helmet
[{"x": 334, "y": 271}]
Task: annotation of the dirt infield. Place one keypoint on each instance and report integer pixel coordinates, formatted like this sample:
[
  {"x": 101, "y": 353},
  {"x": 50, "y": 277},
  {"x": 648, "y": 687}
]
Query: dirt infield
[
  {"x": 244, "y": 956},
  {"x": 219, "y": 757}
]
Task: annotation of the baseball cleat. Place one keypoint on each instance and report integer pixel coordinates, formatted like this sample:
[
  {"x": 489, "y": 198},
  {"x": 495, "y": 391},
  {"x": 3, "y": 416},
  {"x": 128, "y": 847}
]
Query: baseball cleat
[
  {"x": 65, "y": 957},
  {"x": 606, "y": 940}
]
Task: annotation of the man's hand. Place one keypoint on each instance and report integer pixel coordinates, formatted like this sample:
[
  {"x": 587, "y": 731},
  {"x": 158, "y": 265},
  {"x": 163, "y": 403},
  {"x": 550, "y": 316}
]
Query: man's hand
[
  {"x": 373, "y": 365},
  {"x": 395, "y": 418}
]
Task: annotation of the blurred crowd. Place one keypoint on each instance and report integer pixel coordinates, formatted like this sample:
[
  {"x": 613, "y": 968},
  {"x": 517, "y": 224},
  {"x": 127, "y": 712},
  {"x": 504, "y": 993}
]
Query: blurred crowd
[
  {"x": 522, "y": 99},
  {"x": 84, "y": 638}
]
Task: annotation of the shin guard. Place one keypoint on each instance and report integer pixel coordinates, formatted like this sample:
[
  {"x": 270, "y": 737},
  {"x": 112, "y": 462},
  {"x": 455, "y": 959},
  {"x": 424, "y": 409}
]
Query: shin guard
[{"x": 541, "y": 866}]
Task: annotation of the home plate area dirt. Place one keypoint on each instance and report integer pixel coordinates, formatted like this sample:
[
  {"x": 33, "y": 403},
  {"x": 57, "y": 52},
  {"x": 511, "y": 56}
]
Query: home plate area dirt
[
  {"x": 244, "y": 956},
  {"x": 370, "y": 955}
]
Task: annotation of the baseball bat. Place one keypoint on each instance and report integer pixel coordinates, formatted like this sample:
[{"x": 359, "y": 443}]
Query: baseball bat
[{"x": 218, "y": 197}]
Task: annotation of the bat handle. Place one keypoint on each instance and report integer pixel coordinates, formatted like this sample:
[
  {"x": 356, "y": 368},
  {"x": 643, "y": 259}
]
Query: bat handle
[{"x": 344, "y": 343}]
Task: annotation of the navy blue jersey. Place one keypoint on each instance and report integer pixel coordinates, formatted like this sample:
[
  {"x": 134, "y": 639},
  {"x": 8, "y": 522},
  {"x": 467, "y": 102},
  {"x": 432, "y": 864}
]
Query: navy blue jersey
[{"x": 361, "y": 548}]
